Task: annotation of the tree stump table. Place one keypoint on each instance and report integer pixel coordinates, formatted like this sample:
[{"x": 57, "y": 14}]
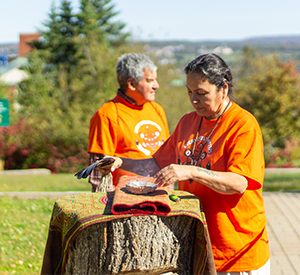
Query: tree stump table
[
  {"x": 134, "y": 245},
  {"x": 86, "y": 238}
]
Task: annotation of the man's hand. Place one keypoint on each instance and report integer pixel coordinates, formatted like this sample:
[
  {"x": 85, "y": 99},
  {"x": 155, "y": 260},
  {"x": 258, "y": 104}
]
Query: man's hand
[
  {"x": 105, "y": 166},
  {"x": 109, "y": 164}
]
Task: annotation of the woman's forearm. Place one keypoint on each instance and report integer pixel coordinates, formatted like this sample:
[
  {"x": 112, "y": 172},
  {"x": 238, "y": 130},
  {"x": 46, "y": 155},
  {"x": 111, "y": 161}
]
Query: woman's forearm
[{"x": 221, "y": 182}]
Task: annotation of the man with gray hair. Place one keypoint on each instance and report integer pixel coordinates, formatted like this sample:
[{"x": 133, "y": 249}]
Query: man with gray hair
[{"x": 131, "y": 125}]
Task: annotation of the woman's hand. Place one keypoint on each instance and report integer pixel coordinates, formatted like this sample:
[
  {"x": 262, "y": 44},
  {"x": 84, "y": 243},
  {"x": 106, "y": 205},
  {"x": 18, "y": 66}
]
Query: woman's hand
[
  {"x": 221, "y": 182},
  {"x": 172, "y": 173}
]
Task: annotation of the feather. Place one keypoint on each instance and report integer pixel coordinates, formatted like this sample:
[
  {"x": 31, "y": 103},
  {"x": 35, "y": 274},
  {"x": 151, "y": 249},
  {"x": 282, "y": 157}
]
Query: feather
[{"x": 85, "y": 172}]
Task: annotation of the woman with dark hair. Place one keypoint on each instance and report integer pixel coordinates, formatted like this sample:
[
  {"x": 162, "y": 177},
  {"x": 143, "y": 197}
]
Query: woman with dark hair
[{"x": 216, "y": 153}]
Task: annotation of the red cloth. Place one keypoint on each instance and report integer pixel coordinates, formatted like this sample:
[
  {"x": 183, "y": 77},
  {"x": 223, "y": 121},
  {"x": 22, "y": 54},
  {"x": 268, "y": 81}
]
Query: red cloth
[{"x": 154, "y": 203}]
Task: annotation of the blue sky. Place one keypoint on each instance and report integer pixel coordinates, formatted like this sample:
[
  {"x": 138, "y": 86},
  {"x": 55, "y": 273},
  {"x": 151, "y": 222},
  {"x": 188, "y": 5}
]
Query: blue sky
[{"x": 194, "y": 20}]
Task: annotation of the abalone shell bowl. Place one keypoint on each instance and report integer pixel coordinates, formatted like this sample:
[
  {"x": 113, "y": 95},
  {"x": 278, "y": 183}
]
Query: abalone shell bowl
[{"x": 140, "y": 187}]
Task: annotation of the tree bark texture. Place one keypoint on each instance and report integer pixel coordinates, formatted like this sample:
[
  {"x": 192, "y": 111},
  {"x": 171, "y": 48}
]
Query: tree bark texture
[{"x": 135, "y": 245}]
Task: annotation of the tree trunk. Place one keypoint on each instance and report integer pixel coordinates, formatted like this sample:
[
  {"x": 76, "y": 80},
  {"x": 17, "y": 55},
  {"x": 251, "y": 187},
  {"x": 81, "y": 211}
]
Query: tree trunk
[{"x": 135, "y": 245}]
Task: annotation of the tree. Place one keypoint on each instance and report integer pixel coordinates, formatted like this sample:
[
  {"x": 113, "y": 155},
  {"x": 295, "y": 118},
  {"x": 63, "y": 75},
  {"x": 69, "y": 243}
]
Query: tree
[
  {"x": 58, "y": 104},
  {"x": 269, "y": 89},
  {"x": 59, "y": 44},
  {"x": 77, "y": 48},
  {"x": 59, "y": 109},
  {"x": 97, "y": 17},
  {"x": 66, "y": 33}
]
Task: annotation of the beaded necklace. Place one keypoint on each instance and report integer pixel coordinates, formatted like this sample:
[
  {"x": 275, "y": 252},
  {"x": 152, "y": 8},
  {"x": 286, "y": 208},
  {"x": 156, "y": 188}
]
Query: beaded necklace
[{"x": 208, "y": 137}]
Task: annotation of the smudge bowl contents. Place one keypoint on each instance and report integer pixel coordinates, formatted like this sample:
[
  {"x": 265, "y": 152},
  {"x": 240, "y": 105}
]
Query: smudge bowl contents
[{"x": 140, "y": 187}]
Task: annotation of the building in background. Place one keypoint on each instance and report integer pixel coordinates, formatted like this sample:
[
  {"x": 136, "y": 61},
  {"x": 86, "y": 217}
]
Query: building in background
[
  {"x": 11, "y": 72},
  {"x": 24, "y": 48}
]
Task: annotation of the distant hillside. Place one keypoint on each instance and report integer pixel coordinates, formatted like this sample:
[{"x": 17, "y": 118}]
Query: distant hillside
[
  {"x": 9, "y": 49},
  {"x": 277, "y": 40},
  {"x": 254, "y": 40},
  {"x": 265, "y": 42},
  {"x": 283, "y": 43},
  {"x": 288, "y": 47}
]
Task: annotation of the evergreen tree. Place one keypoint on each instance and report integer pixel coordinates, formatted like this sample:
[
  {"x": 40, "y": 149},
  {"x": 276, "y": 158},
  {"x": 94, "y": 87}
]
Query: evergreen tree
[
  {"x": 59, "y": 139},
  {"x": 58, "y": 103},
  {"x": 59, "y": 41},
  {"x": 97, "y": 17},
  {"x": 66, "y": 33}
]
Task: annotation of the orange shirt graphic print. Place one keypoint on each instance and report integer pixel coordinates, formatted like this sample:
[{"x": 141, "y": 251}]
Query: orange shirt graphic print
[
  {"x": 149, "y": 137},
  {"x": 191, "y": 158}
]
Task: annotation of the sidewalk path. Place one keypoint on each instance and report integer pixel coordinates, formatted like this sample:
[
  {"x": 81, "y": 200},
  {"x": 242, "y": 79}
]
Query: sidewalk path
[
  {"x": 37, "y": 171},
  {"x": 283, "y": 225},
  {"x": 282, "y": 170}
]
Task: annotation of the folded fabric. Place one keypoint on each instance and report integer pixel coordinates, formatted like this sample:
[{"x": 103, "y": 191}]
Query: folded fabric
[{"x": 154, "y": 203}]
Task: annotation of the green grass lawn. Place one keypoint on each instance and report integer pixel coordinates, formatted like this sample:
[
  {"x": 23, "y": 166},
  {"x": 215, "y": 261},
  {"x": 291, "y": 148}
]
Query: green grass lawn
[
  {"x": 24, "y": 223},
  {"x": 23, "y": 232},
  {"x": 282, "y": 182},
  {"x": 52, "y": 182}
]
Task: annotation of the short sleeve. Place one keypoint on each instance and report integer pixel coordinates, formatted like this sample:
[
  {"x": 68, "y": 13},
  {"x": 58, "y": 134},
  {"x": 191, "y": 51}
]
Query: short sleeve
[
  {"x": 168, "y": 152},
  {"x": 246, "y": 157},
  {"x": 103, "y": 131}
]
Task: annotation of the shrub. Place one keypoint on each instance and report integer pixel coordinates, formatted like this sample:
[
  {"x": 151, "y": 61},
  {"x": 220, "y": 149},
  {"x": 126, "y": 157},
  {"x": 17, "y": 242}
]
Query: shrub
[
  {"x": 15, "y": 144},
  {"x": 276, "y": 157},
  {"x": 23, "y": 146}
]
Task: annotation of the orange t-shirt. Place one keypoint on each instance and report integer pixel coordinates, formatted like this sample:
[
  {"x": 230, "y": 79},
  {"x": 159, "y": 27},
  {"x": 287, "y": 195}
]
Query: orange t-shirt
[
  {"x": 236, "y": 223},
  {"x": 123, "y": 130}
]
